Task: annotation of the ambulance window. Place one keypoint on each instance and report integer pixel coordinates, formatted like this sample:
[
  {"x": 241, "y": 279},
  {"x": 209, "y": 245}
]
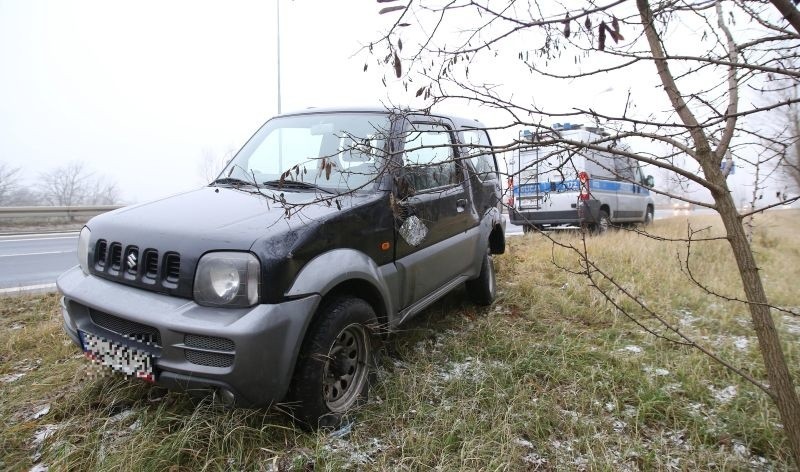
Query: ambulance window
[{"x": 625, "y": 168}]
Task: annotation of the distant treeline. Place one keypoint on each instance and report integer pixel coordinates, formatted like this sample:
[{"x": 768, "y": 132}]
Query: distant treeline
[{"x": 68, "y": 185}]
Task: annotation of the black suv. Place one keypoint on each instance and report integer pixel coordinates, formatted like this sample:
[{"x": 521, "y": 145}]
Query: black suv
[{"x": 328, "y": 228}]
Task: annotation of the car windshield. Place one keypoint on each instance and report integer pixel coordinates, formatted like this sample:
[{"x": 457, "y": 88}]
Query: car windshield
[{"x": 334, "y": 152}]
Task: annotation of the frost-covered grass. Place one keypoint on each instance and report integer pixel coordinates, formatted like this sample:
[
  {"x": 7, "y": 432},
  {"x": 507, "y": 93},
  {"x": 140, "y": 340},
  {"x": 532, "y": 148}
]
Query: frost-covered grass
[{"x": 552, "y": 377}]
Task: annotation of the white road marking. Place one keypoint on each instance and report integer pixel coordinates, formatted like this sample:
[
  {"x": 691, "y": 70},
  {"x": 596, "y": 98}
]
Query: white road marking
[
  {"x": 37, "y": 253},
  {"x": 34, "y": 239},
  {"x": 29, "y": 288}
]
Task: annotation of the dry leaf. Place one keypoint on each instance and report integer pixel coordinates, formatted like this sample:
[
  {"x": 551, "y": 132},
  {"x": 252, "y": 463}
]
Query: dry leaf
[
  {"x": 398, "y": 68},
  {"x": 601, "y": 39},
  {"x": 391, "y": 9}
]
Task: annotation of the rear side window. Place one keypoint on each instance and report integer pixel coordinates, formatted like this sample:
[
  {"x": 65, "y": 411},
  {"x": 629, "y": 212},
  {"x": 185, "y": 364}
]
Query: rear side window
[{"x": 478, "y": 149}]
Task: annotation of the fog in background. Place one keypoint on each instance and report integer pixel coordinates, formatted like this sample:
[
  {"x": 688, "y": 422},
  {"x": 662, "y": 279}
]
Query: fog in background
[{"x": 143, "y": 93}]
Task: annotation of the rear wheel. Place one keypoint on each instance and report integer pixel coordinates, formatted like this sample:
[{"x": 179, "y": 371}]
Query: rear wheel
[
  {"x": 483, "y": 289},
  {"x": 336, "y": 363}
]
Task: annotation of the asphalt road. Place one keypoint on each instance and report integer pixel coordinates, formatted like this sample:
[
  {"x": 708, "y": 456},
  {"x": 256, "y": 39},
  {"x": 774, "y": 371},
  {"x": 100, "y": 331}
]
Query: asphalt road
[{"x": 35, "y": 260}]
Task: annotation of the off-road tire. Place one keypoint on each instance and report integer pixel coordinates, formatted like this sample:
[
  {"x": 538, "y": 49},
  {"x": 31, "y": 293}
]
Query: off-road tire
[
  {"x": 339, "y": 346},
  {"x": 483, "y": 289}
]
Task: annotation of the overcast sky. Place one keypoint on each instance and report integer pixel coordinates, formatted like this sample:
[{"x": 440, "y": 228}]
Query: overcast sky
[
  {"x": 143, "y": 91},
  {"x": 140, "y": 91}
]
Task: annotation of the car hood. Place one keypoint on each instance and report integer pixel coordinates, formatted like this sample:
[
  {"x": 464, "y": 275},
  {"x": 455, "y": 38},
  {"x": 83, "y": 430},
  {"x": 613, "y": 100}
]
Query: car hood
[{"x": 216, "y": 218}]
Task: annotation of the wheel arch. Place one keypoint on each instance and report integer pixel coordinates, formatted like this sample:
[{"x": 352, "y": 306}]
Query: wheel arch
[
  {"x": 497, "y": 240},
  {"x": 344, "y": 272}
]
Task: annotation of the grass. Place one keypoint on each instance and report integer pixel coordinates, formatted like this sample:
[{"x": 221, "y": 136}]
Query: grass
[{"x": 551, "y": 377}]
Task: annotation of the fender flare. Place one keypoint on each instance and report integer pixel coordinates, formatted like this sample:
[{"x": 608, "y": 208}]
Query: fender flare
[{"x": 327, "y": 270}]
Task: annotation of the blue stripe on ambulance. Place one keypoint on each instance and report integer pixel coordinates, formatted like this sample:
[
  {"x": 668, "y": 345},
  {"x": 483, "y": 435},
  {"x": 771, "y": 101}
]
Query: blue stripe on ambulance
[{"x": 574, "y": 185}]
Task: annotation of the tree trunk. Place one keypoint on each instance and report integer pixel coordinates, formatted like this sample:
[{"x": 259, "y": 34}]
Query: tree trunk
[{"x": 780, "y": 381}]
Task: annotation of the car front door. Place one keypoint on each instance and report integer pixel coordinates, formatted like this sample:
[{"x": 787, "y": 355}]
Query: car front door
[{"x": 435, "y": 210}]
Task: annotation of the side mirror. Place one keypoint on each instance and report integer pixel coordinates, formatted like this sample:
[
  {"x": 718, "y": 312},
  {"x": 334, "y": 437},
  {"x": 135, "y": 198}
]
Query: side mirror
[{"x": 649, "y": 181}]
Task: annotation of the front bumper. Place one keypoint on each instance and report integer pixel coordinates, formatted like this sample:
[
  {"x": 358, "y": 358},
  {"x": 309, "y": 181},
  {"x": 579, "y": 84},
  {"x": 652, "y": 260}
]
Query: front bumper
[
  {"x": 583, "y": 213},
  {"x": 249, "y": 351}
]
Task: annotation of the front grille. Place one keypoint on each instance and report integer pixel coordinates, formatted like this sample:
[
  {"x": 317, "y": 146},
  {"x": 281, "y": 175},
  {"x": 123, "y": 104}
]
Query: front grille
[
  {"x": 145, "y": 267},
  {"x": 211, "y": 359},
  {"x": 211, "y": 343},
  {"x": 116, "y": 256},
  {"x": 132, "y": 260},
  {"x": 129, "y": 329},
  {"x": 101, "y": 252},
  {"x": 172, "y": 267},
  {"x": 151, "y": 263}
]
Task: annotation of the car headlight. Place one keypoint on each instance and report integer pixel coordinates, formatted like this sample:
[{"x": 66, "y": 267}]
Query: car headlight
[
  {"x": 83, "y": 249},
  {"x": 228, "y": 279}
]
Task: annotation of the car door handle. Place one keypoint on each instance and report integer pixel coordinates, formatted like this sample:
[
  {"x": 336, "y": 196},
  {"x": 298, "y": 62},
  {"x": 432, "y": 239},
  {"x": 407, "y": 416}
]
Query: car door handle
[{"x": 461, "y": 204}]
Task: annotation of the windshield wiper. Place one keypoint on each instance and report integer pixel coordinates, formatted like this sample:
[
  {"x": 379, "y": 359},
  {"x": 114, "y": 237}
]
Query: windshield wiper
[
  {"x": 232, "y": 181},
  {"x": 295, "y": 185}
]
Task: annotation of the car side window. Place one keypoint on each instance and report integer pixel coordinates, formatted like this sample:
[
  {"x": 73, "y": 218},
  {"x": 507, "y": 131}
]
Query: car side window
[
  {"x": 429, "y": 159},
  {"x": 478, "y": 149}
]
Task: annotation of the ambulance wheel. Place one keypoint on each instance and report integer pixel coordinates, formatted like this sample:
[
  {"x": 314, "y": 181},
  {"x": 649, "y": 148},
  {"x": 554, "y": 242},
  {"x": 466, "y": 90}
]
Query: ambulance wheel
[
  {"x": 648, "y": 217},
  {"x": 603, "y": 223}
]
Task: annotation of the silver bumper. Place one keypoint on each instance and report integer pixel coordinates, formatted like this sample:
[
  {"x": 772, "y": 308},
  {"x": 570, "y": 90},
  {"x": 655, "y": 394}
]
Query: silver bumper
[{"x": 249, "y": 351}]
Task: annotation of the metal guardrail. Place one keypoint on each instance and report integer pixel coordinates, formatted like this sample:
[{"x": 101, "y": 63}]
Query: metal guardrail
[{"x": 55, "y": 211}]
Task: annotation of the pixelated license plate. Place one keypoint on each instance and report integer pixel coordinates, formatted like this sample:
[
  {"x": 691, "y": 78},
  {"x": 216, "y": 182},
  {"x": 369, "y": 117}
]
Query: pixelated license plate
[{"x": 118, "y": 357}]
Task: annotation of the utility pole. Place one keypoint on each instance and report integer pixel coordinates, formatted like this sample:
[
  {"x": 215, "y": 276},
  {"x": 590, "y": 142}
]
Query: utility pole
[
  {"x": 278, "y": 42},
  {"x": 278, "y": 48}
]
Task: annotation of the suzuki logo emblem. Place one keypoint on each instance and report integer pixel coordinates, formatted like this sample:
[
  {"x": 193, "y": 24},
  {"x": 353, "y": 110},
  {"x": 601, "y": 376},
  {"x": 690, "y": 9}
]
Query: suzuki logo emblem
[{"x": 131, "y": 261}]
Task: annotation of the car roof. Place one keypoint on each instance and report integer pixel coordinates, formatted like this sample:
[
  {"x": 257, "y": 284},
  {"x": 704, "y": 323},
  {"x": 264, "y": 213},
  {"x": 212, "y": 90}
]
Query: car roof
[{"x": 458, "y": 121}]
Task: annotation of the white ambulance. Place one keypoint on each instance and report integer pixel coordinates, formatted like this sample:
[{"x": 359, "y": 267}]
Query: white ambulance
[{"x": 554, "y": 186}]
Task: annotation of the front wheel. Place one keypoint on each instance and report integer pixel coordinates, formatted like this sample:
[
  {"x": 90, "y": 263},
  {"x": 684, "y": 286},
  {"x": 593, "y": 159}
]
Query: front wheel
[
  {"x": 483, "y": 290},
  {"x": 603, "y": 223},
  {"x": 336, "y": 362}
]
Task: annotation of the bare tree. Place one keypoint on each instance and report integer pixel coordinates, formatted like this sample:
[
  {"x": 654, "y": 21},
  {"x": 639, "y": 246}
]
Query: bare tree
[
  {"x": 704, "y": 65},
  {"x": 9, "y": 177},
  {"x": 103, "y": 192},
  {"x": 72, "y": 184},
  {"x": 211, "y": 163}
]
